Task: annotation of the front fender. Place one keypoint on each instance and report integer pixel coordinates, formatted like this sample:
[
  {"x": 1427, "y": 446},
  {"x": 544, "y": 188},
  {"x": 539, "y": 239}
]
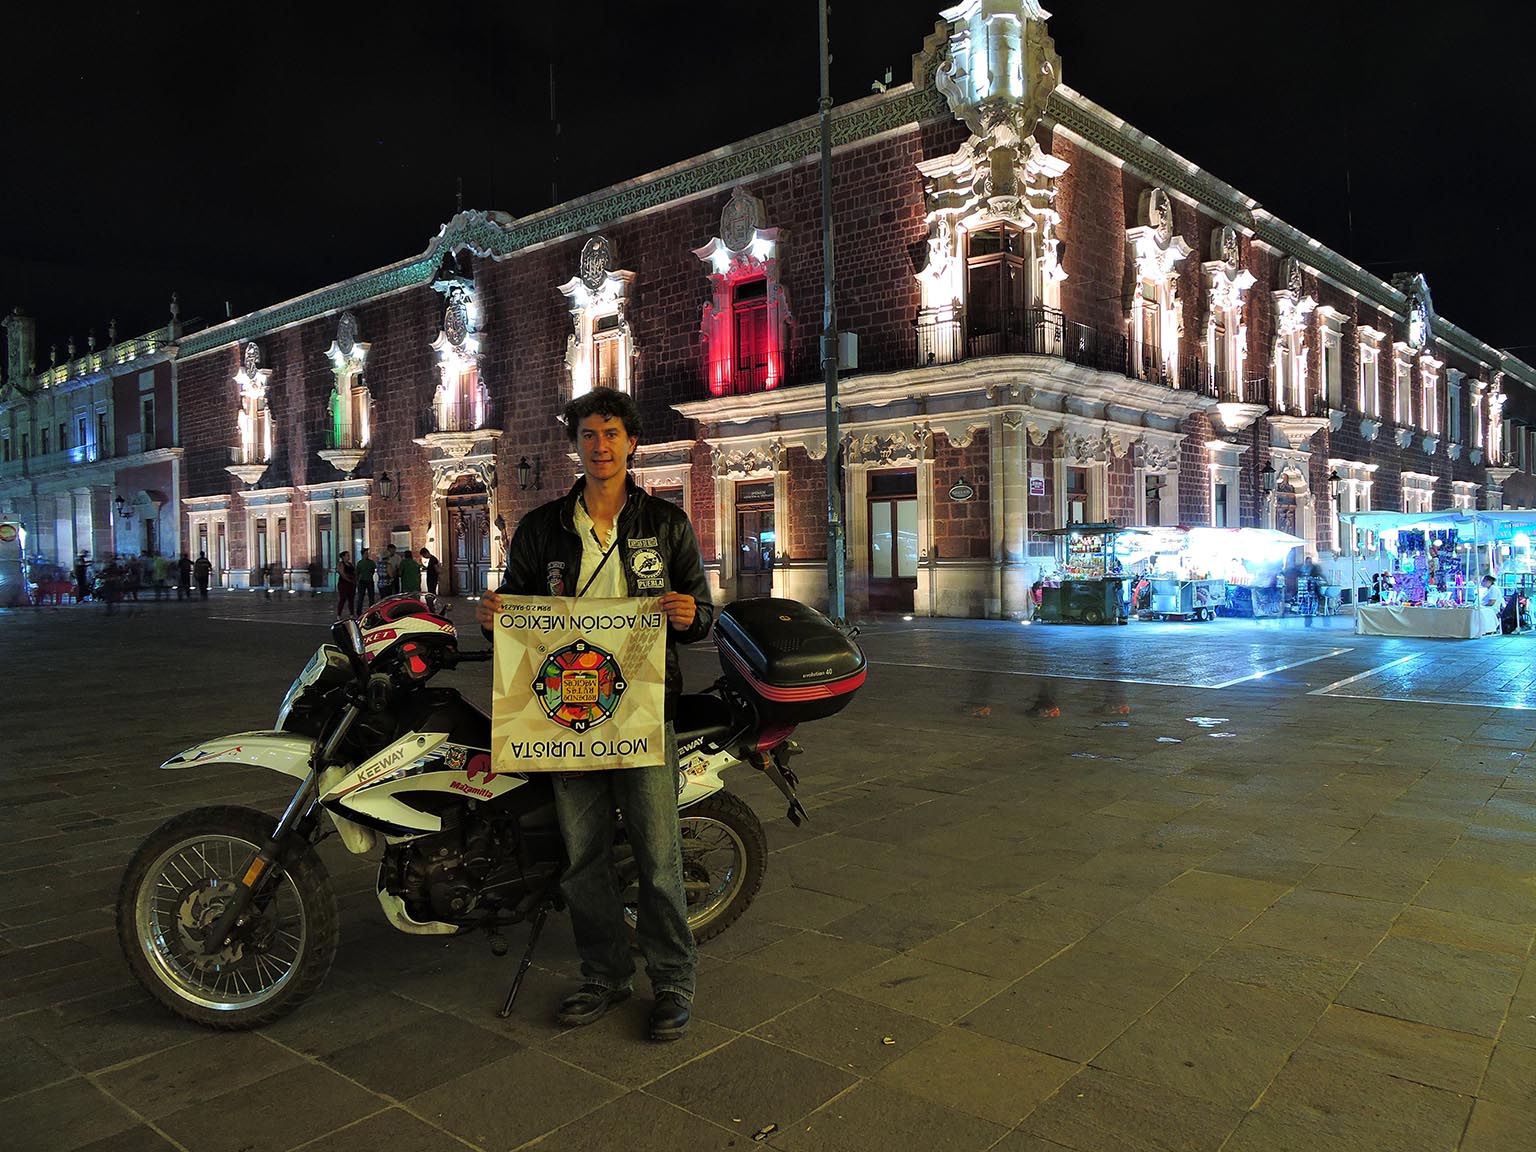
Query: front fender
[{"x": 265, "y": 749}]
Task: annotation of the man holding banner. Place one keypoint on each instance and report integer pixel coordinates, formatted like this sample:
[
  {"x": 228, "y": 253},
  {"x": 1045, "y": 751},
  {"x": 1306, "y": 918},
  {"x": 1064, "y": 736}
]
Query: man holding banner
[{"x": 566, "y": 666}]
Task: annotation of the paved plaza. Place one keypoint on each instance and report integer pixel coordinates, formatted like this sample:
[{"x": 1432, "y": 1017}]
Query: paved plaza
[{"x": 1239, "y": 885}]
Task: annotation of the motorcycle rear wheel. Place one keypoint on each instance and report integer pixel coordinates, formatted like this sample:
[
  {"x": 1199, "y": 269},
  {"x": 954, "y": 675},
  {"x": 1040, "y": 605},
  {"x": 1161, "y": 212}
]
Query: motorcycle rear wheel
[
  {"x": 725, "y": 853},
  {"x": 174, "y": 889}
]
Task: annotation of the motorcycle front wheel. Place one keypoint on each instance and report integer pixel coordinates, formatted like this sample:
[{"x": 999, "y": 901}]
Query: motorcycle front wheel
[
  {"x": 724, "y": 855},
  {"x": 176, "y": 887}
]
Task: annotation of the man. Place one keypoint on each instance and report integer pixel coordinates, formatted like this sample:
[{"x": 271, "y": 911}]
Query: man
[
  {"x": 390, "y": 584},
  {"x": 407, "y": 573},
  {"x": 201, "y": 569},
  {"x": 82, "y": 579},
  {"x": 365, "y": 569},
  {"x": 604, "y": 538},
  {"x": 184, "y": 577}
]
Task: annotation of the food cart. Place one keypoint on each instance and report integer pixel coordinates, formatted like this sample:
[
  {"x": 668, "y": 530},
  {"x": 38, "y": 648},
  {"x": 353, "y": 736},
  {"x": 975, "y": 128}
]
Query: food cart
[
  {"x": 1090, "y": 588},
  {"x": 1170, "y": 583}
]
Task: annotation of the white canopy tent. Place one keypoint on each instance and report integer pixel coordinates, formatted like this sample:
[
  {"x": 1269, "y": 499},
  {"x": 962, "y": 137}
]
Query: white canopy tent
[{"x": 1484, "y": 526}]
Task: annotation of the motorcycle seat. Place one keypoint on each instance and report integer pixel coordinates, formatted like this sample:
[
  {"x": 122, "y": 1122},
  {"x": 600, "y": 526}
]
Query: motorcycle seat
[{"x": 703, "y": 714}]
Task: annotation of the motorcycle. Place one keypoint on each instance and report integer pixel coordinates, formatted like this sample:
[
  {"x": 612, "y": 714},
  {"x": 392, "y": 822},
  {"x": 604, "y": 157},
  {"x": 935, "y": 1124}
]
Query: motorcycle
[{"x": 227, "y": 915}]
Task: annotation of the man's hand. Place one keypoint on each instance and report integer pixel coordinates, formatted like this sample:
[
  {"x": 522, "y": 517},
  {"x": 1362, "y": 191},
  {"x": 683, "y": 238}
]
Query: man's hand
[
  {"x": 485, "y": 611},
  {"x": 680, "y": 609}
]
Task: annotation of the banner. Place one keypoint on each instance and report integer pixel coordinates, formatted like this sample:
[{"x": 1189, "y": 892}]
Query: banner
[{"x": 579, "y": 684}]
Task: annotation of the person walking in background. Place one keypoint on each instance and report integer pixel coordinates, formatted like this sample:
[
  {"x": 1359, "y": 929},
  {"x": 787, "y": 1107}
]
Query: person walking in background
[
  {"x": 82, "y": 579},
  {"x": 184, "y": 577},
  {"x": 391, "y": 582},
  {"x": 201, "y": 570},
  {"x": 346, "y": 584},
  {"x": 366, "y": 566},
  {"x": 431, "y": 570},
  {"x": 408, "y": 573},
  {"x": 160, "y": 566}
]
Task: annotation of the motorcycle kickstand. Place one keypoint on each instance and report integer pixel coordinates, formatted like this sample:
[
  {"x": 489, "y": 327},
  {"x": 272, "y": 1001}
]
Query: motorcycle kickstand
[{"x": 527, "y": 960}]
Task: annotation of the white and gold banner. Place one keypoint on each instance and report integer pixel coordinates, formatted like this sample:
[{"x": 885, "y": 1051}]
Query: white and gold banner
[{"x": 579, "y": 684}]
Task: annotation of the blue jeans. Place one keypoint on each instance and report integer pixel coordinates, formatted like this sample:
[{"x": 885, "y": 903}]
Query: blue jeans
[{"x": 647, "y": 797}]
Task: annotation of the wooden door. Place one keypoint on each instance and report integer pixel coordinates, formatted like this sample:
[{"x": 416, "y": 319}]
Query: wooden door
[{"x": 469, "y": 539}]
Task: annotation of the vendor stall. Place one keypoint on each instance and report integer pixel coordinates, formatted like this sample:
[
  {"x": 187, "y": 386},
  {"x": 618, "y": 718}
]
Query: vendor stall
[
  {"x": 1200, "y": 573},
  {"x": 1458, "y": 622},
  {"x": 1090, "y": 589}
]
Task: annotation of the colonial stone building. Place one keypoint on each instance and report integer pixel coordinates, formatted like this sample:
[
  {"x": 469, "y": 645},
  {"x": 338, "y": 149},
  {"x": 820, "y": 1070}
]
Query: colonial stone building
[{"x": 1056, "y": 318}]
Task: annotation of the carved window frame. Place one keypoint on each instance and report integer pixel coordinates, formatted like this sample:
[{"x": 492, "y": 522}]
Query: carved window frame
[
  {"x": 598, "y": 299},
  {"x": 1429, "y": 394},
  {"x": 1369, "y": 344},
  {"x": 1402, "y": 384},
  {"x": 252, "y": 414},
  {"x": 742, "y": 254}
]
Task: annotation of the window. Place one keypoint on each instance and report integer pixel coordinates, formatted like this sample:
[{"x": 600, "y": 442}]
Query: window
[
  {"x": 1370, "y": 372},
  {"x": 996, "y": 290},
  {"x": 607, "y": 349},
  {"x": 42, "y": 440},
  {"x": 893, "y": 525},
  {"x": 24, "y": 447},
  {"x": 147, "y": 421},
  {"x": 1155, "y": 483},
  {"x": 63, "y": 436},
  {"x": 80, "y": 432},
  {"x": 5, "y": 450},
  {"x": 1077, "y": 495},
  {"x": 102, "y": 448},
  {"x": 1453, "y": 380},
  {"x": 749, "y": 322},
  {"x": 1331, "y": 328},
  {"x": 1402, "y": 385},
  {"x": 1219, "y": 502},
  {"x": 1429, "y": 390}
]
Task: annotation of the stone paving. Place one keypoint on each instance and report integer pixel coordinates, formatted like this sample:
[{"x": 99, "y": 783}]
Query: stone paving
[{"x": 1171, "y": 916}]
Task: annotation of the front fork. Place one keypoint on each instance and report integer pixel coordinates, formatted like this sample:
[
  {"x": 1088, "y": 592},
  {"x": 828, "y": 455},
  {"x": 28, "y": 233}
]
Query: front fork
[{"x": 298, "y": 818}]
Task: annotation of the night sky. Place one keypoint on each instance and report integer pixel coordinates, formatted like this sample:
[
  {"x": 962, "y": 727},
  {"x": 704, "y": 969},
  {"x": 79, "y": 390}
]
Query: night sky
[{"x": 251, "y": 153}]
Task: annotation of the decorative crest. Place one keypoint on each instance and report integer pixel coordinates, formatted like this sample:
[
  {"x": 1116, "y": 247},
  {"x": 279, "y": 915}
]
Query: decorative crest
[
  {"x": 597, "y": 261},
  {"x": 251, "y": 361},
  {"x": 740, "y": 219},
  {"x": 456, "y": 317},
  {"x": 346, "y": 333}
]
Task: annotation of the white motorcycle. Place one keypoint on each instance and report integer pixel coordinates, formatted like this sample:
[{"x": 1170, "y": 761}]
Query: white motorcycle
[{"x": 228, "y": 918}]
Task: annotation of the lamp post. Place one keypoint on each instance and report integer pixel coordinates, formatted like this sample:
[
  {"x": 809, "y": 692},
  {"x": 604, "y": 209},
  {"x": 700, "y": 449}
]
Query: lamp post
[
  {"x": 835, "y": 598},
  {"x": 387, "y": 486},
  {"x": 527, "y": 472}
]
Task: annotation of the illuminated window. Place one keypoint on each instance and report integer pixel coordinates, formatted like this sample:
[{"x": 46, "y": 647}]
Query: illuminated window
[
  {"x": 749, "y": 321},
  {"x": 1429, "y": 388},
  {"x": 1369, "y": 398},
  {"x": 1402, "y": 385},
  {"x": 607, "y": 351},
  {"x": 743, "y": 328},
  {"x": 600, "y": 348},
  {"x": 997, "y": 290},
  {"x": 1077, "y": 495}
]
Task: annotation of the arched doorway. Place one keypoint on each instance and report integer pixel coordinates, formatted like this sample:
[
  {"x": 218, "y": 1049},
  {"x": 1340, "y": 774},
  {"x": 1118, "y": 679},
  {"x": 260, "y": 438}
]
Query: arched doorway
[{"x": 469, "y": 536}]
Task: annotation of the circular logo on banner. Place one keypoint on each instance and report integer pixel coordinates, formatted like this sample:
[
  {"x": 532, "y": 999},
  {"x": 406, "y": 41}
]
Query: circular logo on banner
[
  {"x": 647, "y": 563},
  {"x": 579, "y": 686}
]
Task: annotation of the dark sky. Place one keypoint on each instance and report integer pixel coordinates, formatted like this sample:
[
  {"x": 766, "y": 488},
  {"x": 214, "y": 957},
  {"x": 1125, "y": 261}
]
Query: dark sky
[{"x": 251, "y": 153}]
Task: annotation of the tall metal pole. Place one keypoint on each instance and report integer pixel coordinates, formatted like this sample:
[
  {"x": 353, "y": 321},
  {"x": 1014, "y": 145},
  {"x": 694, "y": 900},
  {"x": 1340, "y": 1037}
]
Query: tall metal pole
[{"x": 836, "y": 607}]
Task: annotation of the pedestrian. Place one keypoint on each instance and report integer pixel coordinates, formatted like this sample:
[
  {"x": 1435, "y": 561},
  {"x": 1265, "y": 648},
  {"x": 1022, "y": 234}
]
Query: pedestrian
[
  {"x": 563, "y": 548},
  {"x": 134, "y": 578},
  {"x": 82, "y": 579},
  {"x": 407, "y": 572},
  {"x": 365, "y": 569},
  {"x": 161, "y": 568},
  {"x": 184, "y": 577},
  {"x": 317, "y": 575},
  {"x": 201, "y": 569},
  {"x": 346, "y": 584},
  {"x": 1308, "y": 584},
  {"x": 391, "y": 583},
  {"x": 430, "y": 570}
]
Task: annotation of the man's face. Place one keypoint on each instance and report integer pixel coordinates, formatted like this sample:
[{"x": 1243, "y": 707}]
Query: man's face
[{"x": 604, "y": 446}]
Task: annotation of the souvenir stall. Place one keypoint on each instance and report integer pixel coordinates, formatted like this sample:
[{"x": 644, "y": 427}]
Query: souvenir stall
[
  {"x": 1431, "y": 583},
  {"x": 1090, "y": 588},
  {"x": 1169, "y": 580}
]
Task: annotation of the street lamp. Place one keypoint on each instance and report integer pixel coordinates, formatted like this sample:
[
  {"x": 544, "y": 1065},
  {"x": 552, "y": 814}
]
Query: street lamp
[
  {"x": 525, "y": 471},
  {"x": 388, "y": 487},
  {"x": 1334, "y": 483},
  {"x": 123, "y": 509},
  {"x": 1267, "y": 477}
]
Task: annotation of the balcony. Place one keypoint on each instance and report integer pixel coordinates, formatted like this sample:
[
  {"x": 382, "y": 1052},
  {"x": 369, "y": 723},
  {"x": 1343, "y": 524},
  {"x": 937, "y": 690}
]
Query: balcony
[
  {"x": 458, "y": 430},
  {"x": 344, "y": 450},
  {"x": 244, "y": 466}
]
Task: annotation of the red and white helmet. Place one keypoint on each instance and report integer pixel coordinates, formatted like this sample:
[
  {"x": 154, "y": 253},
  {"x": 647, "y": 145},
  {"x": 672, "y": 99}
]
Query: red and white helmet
[{"x": 405, "y": 616}]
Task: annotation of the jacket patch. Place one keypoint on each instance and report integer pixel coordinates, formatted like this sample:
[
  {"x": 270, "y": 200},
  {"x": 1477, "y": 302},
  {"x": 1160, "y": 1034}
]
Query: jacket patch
[
  {"x": 647, "y": 542},
  {"x": 554, "y": 577},
  {"x": 647, "y": 566}
]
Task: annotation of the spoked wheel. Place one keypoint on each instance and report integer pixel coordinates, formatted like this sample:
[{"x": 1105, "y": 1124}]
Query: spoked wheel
[
  {"x": 177, "y": 886},
  {"x": 724, "y": 855}
]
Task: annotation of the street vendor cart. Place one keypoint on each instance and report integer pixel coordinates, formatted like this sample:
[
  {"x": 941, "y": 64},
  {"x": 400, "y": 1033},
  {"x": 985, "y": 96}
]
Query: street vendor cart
[{"x": 1090, "y": 588}]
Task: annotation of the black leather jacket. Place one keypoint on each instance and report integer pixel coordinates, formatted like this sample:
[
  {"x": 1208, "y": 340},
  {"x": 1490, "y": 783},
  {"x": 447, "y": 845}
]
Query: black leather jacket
[{"x": 656, "y": 550}]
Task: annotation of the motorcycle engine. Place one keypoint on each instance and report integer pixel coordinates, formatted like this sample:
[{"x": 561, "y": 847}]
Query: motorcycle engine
[{"x": 471, "y": 866}]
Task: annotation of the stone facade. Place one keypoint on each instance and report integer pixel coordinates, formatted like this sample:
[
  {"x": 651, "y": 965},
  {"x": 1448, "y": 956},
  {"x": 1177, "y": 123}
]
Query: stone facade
[{"x": 1165, "y": 332}]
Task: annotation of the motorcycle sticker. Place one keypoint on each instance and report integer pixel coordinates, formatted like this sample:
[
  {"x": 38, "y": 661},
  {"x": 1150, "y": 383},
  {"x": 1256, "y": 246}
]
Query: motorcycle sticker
[{"x": 480, "y": 766}]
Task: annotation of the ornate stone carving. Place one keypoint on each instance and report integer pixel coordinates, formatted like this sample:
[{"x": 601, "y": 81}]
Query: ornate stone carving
[
  {"x": 1160, "y": 215},
  {"x": 251, "y": 360},
  {"x": 1155, "y": 457},
  {"x": 741, "y": 217},
  {"x": 596, "y": 262},
  {"x": 890, "y": 448},
  {"x": 456, "y": 317},
  {"x": 346, "y": 333},
  {"x": 1421, "y": 309},
  {"x": 1226, "y": 245}
]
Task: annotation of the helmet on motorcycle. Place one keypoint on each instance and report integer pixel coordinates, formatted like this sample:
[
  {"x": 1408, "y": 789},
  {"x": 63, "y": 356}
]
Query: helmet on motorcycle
[{"x": 405, "y": 616}]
